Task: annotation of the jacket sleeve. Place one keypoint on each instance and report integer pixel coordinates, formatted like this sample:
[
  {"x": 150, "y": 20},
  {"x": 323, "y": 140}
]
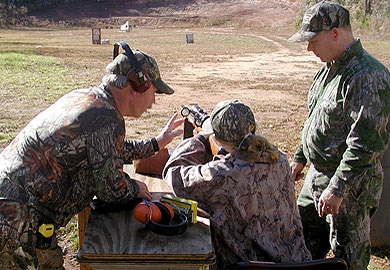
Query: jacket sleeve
[
  {"x": 105, "y": 146},
  {"x": 188, "y": 171},
  {"x": 368, "y": 105},
  {"x": 299, "y": 155},
  {"x": 137, "y": 149}
]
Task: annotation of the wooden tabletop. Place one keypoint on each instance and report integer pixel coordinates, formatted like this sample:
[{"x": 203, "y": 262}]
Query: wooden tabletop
[{"x": 113, "y": 236}]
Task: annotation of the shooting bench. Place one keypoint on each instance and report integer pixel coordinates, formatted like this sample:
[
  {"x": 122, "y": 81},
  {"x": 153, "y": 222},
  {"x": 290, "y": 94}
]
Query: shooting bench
[{"x": 115, "y": 240}]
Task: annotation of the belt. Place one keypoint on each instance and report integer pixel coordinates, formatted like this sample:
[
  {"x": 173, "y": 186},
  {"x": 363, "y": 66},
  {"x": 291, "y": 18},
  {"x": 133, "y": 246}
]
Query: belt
[{"x": 324, "y": 169}]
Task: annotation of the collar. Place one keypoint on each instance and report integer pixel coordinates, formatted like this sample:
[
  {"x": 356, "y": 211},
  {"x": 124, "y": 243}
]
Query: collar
[
  {"x": 103, "y": 91},
  {"x": 347, "y": 55}
]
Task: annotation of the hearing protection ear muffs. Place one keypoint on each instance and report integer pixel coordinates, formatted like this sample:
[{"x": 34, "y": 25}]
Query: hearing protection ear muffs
[
  {"x": 138, "y": 80},
  {"x": 160, "y": 218}
]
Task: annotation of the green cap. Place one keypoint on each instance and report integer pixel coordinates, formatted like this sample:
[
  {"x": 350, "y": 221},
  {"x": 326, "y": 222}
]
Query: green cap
[
  {"x": 231, "y": 120},
  {"x": 322, "y": 16},
  {"x": 121, "y": 65}
]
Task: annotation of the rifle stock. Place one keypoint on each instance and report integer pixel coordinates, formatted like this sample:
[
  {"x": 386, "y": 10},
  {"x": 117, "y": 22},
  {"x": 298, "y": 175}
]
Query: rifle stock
[{"x": 152, "y": 165}]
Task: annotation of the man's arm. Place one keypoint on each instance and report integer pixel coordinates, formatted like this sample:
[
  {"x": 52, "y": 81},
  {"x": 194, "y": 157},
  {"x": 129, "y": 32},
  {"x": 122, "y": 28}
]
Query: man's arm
[
  {"x": 187, "y": 168},
  {"x": 111, "y": 184},
  {"x": 368, "y": 105},
  {"x": 140, "y": 149}
]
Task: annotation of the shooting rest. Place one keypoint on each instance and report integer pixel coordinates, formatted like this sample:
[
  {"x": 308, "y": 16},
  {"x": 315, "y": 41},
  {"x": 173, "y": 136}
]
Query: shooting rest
[{"x": 116, "y": 240}]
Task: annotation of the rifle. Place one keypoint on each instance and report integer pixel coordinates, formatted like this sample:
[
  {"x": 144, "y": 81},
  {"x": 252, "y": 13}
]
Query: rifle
[
  {"x": 196, "y": 120},
  {"x": 195, "y": 117}
]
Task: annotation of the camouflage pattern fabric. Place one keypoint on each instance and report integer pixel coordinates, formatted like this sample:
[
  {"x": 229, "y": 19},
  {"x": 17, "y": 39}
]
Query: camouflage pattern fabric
[
  {"x": 344, "y": 137},
  {"x": 252, "y": 204},
  {"x": 337, "y": 232},
  {"x": 65, "y": 156},
  {"x": 18, "y": 245},
  {"x": 231, "y": 120},
  {"x": 324, "y": 15}
]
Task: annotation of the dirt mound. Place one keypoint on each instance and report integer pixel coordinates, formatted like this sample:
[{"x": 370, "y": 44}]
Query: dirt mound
[{"x": 111, "y": 13}]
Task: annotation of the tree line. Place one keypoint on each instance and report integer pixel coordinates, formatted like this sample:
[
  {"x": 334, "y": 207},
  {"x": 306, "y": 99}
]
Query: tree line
[{"x": 12, "y": 11}]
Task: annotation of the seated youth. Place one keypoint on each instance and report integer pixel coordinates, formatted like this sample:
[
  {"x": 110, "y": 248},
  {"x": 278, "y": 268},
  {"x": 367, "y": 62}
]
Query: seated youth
[{"x": 248, "y": 192}]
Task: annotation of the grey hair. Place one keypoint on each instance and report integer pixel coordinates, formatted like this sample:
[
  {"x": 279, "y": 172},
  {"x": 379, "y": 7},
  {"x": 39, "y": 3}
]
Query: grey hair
[{"x": 119, "y": 81}]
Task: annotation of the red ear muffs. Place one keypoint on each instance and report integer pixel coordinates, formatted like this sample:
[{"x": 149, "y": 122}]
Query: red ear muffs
[
  {"x": 136, "y": 77},
  {"x": 146, "y": 211},
  {"x": 139, "y": 85},
  {"x": 163, "y": 219},
  {"x": 166, "y": 210},
  {"x": 160, "y": 212}
]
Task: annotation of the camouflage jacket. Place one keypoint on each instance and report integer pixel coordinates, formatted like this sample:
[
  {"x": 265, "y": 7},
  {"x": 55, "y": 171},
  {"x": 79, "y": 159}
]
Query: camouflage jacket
[
  {"x": 347, "y": 129},
  {"x": 252, "y": 205},
  {"x": 69, "y": 153}
]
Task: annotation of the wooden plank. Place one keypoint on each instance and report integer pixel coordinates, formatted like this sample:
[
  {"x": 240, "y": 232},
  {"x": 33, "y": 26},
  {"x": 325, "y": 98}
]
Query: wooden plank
[
  {"x": 118, "y": 236},
  {"x": 82, "y": 225},
  {"x": 150, "y": 266},
  {"x": 118, "y": 241},
  {"x": 82, "y": 221},
  {"x": 154, "y": 184}
]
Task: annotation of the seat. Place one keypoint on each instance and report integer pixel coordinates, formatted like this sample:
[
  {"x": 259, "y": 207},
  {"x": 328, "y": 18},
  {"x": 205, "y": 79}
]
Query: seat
[{"x": 321, "y": 264}]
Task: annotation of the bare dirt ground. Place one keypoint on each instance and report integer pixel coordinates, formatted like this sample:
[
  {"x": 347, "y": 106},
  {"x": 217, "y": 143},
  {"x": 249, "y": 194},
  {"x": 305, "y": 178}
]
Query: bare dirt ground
[{"x": 268, "y": 20}]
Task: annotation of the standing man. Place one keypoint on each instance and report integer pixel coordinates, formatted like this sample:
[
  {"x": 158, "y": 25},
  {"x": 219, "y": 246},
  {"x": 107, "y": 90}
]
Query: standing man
[
  {"x": 344, "y": 137},
  {"x": 71, "y": 152}
]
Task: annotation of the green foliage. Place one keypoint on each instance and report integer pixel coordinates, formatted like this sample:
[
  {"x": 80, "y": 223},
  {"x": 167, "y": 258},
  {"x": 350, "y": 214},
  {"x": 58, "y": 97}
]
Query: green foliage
[
  {"x": 70, "y": 234},
  {"x": 10, "y": 14},
  {"x": 12, "y": 11},
  {"x": 362, "y": 21},
  {"x": 221, "y": 21}
]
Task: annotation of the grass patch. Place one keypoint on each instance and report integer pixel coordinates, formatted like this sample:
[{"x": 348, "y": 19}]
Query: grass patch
[
  {"x": 34, "y": 76},
  {"x": 69, "y": 234},
  {"x": 30, "y": 82}
]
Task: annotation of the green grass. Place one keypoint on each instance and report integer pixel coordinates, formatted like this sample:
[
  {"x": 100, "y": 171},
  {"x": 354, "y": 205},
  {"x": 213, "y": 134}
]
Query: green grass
[
  {"x": 70, "y": 234},
  {"x": 24, "y": 73},
  {"x": 28, "y": 79}
]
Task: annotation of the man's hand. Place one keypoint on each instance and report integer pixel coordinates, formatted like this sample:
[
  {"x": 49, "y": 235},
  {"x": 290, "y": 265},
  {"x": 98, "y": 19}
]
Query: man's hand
[
  {"x": 170, "y": 131},
  {"x": 296, "y": 170},
  {"x": 143, "y": 191},
  {"x": 329, "y": 203}
]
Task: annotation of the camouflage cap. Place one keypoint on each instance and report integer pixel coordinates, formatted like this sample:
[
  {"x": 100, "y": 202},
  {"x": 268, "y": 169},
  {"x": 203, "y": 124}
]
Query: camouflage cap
[
  {"x": 121, "y": 65},
  {"x": 231, "y": 120},
  {"x": 322, "y": 16}
]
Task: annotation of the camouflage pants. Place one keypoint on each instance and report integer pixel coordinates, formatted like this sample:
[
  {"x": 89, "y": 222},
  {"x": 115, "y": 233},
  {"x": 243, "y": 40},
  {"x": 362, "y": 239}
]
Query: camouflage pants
[
  {"x": 18, "y": 241},
  {"x": 347, "y": 234}
]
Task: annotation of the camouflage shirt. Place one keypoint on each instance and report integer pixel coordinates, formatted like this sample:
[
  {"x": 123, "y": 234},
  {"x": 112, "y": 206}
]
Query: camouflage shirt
[
  {"x": 252, "y": 205},
  {"x": 347, "y": 129},
  {"x": 69, "y": 153}
]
